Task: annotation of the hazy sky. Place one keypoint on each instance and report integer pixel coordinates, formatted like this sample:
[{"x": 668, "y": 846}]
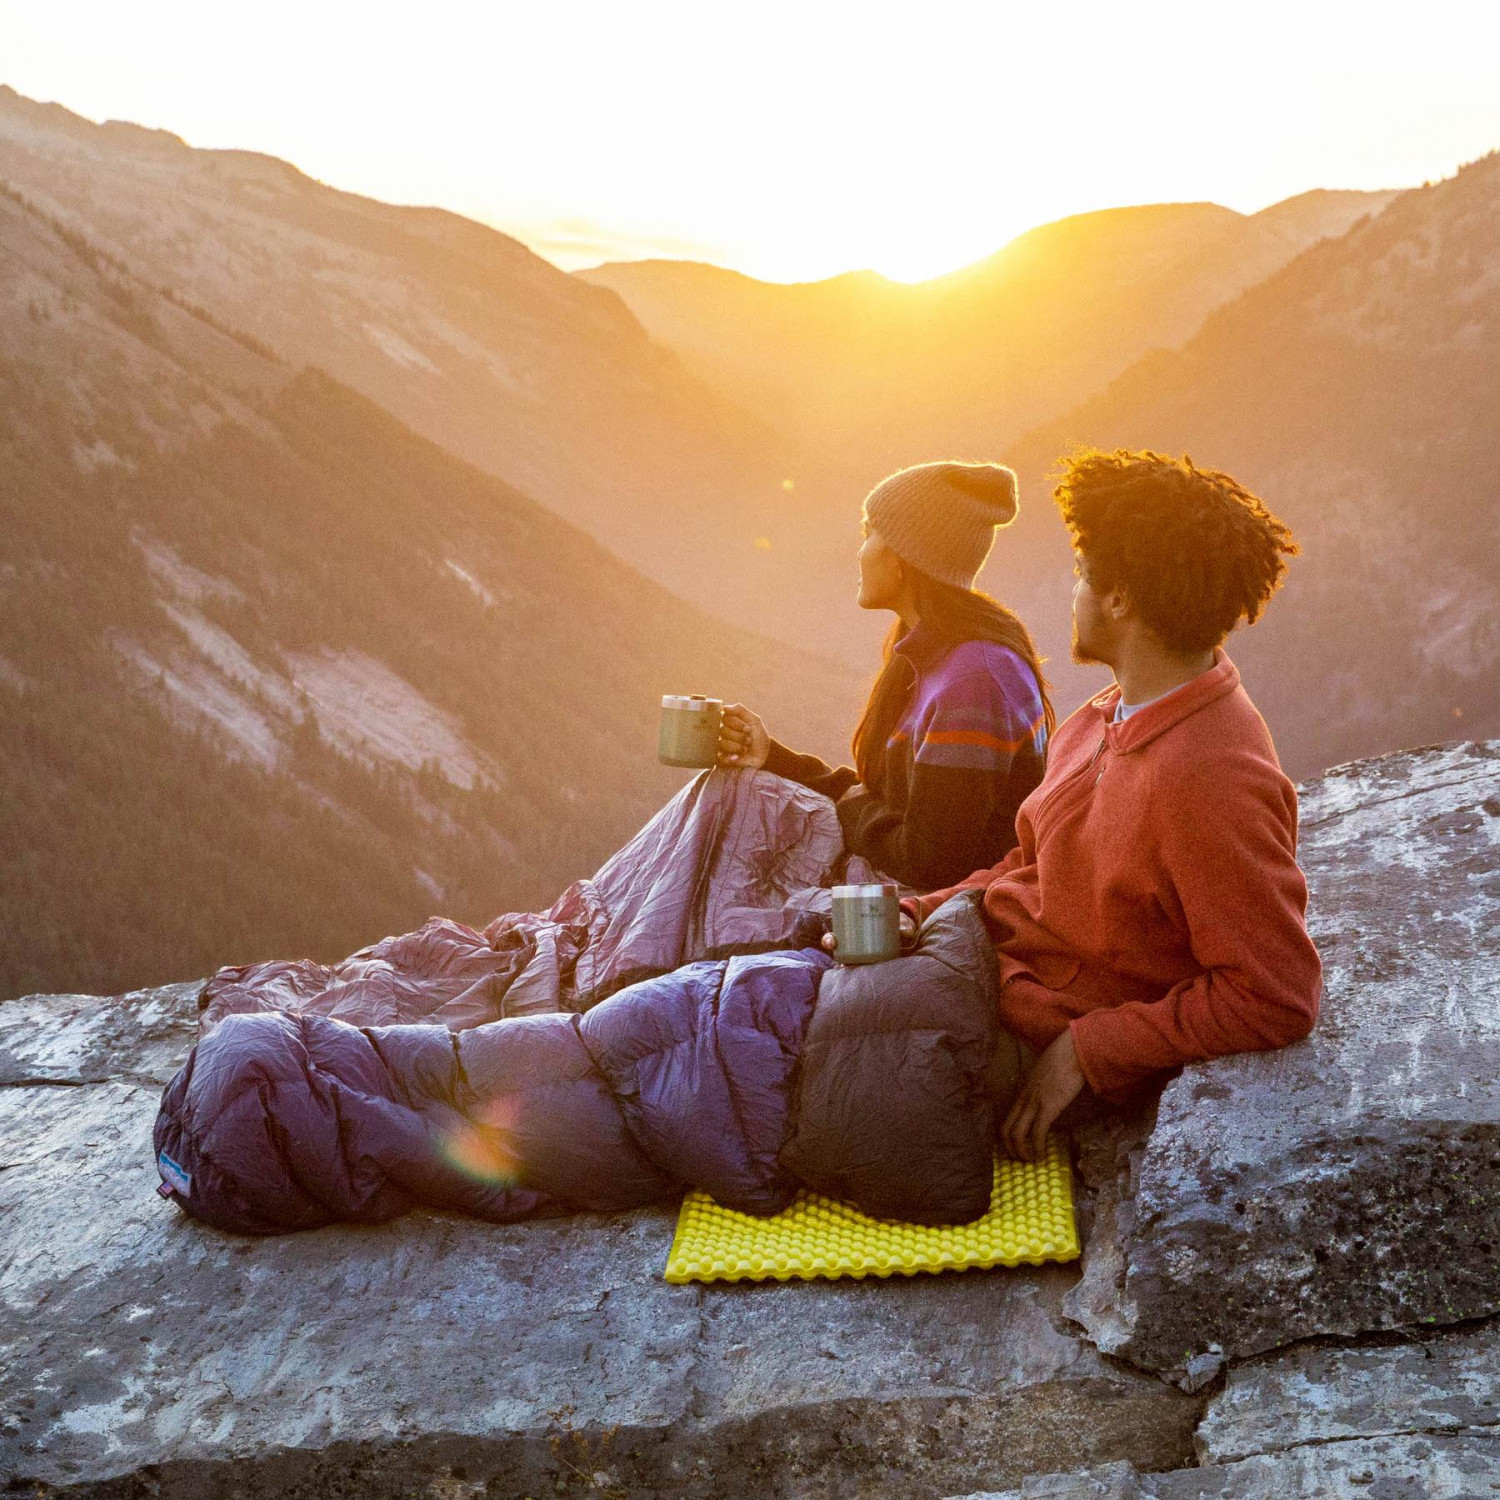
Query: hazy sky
[{"x": 791, "y": 140}]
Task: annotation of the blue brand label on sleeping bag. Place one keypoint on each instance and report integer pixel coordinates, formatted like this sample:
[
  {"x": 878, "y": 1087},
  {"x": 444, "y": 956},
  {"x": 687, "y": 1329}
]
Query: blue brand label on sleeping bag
[{"x": 173, "y": 1175}]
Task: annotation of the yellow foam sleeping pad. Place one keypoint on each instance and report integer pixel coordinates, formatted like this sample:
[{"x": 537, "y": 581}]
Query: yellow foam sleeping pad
[{"x": 1030, "y": 1220}]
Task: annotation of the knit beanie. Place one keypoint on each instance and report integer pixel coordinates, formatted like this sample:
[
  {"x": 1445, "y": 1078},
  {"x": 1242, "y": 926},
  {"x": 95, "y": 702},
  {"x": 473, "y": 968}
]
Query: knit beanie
[{"x": 942, "y": 517}]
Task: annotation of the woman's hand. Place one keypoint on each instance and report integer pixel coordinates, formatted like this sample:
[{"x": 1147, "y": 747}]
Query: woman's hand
[
  {"x": 907, "y": 926},
  {"x": 743, "y": 740},
  {"x": 1053, "y": 1084}
]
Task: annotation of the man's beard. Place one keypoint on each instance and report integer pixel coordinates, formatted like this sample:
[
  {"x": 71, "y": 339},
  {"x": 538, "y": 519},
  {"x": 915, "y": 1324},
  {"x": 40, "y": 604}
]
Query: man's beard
[{"x": 1081, "y": 655}]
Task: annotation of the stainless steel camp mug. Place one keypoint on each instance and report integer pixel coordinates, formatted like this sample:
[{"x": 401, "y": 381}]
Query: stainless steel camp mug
[
  {"x": 689, "y": 734},
  {"x": 866, "y": 923}
]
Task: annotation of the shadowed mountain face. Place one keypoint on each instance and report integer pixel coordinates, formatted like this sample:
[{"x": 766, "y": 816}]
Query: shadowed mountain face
[
  {"x": 278, "y": 676},
  {"x": 1356, "y": 392},
  {"x": 461, "y": 332},
  {"x": 888, "y": 374}
]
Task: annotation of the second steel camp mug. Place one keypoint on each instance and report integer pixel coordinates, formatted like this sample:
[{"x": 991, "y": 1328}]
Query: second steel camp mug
[
  {"x": 866, "y": 923},
  {"x": 689, "y": 734}
]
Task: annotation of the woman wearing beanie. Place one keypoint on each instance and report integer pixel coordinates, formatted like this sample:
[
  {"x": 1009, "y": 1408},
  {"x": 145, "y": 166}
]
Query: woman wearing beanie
[{"x": 954, "y": 735}]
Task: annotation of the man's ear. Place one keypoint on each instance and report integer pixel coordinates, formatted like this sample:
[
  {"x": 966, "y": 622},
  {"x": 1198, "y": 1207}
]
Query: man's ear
[{"x": 1117, "y": 604}]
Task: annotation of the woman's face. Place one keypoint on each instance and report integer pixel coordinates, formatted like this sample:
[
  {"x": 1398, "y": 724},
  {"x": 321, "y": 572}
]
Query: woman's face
[{"x": 879, "y": 573}]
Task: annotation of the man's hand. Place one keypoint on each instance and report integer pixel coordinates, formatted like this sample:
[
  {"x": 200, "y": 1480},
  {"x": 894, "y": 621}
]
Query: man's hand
[
  {"x": 1051, "y": 1086},
  {"x": 906, "y": 926}
]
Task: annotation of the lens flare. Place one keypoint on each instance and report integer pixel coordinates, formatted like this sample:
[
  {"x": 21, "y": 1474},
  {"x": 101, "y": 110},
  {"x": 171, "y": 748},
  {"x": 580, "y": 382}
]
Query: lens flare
[{"x": 483, "y": 1147}]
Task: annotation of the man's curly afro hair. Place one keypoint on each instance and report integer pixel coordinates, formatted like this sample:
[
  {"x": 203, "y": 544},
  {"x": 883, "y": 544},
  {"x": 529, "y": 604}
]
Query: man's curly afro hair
[{"x": 1192, "y": 549}]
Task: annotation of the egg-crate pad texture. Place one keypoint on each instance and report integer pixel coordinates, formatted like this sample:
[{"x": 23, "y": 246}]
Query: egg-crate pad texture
[{"x": 1029, "y": 1220}]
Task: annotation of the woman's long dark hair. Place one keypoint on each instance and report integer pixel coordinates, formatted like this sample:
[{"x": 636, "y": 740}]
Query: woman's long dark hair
[{"x": 956, "y": 615}]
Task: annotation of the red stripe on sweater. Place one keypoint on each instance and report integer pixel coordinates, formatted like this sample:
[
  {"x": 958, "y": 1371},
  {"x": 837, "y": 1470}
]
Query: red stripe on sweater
[{"x": 979, "y": 737}]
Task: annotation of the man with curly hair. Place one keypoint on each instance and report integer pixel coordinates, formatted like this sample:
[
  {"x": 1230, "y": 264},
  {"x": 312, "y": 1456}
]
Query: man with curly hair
[{"x": 1153, "y": 911}]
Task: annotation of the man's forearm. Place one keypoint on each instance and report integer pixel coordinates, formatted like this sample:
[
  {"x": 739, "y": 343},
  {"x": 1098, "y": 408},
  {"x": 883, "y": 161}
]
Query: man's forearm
[{"x": 922, "y": 907}]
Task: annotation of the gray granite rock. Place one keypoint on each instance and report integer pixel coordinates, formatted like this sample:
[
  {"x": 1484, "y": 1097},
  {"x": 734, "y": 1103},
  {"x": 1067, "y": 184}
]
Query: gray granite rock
[
  {"x": 1402, "y": 1417},
  {"x": 1343, "y": 1185},
  {"x": 1390, "y": 1468},
  {"x": 143, "y": 1354},
  {"x": 78, "y": 1039},
  {"x": 1116, "y": 1481},
  {"x": 1351, "y": 1182},
  {"x": 1442, "y": 1384}
]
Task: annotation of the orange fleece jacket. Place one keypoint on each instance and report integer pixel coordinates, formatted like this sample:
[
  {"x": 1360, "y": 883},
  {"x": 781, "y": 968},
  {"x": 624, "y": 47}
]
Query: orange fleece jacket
[{"x": 1154, "y": 905}]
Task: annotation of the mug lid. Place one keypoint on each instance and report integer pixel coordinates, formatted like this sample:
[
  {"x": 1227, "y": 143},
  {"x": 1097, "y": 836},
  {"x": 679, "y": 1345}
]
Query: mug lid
[
  {"x": 853, "y": 892},
  {"x": 690, "y": 701}
]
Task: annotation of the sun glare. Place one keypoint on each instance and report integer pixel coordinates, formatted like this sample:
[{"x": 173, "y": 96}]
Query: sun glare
[
  {"x": 482, "y": 1148},
  {"x": 923, "y": 259},
  {"x": 905, "y": 253}
]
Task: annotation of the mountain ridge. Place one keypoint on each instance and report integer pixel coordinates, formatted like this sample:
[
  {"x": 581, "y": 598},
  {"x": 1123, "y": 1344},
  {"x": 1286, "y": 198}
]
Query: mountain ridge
[
  {"x": 258, "y": 635},
  {"x": 458, "y": 329},
  {"x": 1001, "y": 343}
]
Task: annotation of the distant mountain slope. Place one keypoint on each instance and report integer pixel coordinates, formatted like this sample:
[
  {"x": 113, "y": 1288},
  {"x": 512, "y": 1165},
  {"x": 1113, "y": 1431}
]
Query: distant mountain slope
[
  {"x": 966, "y": 363},
  {"x": 1358, "y": 391},
  {"x": 460, "y": 331},
  {"x": 735, "y": 480},
  {"x": 277, "y": 676}
]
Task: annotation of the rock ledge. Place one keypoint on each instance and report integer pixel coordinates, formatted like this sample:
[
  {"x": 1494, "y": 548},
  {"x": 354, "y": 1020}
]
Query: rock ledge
[{"x": 1315, "y": 1198}]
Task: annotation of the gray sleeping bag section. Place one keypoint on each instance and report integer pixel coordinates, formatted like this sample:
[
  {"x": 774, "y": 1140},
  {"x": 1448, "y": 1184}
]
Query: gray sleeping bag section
[
  {"x": 894, "y": 1107},
  {"x": 749, "y": 1078}
]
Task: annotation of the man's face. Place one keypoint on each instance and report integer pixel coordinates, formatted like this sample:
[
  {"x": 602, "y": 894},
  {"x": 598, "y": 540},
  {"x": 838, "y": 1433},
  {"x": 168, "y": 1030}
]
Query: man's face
[{"x": 1093, "y": 633}]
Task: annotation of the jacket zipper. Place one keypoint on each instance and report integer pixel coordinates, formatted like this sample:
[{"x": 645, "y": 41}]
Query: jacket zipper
[{"x": 1077, "y": 775}]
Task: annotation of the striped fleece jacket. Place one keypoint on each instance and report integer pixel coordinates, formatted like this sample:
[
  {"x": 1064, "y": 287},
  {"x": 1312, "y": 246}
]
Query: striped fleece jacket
[{"x": 968, "y": 747}]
